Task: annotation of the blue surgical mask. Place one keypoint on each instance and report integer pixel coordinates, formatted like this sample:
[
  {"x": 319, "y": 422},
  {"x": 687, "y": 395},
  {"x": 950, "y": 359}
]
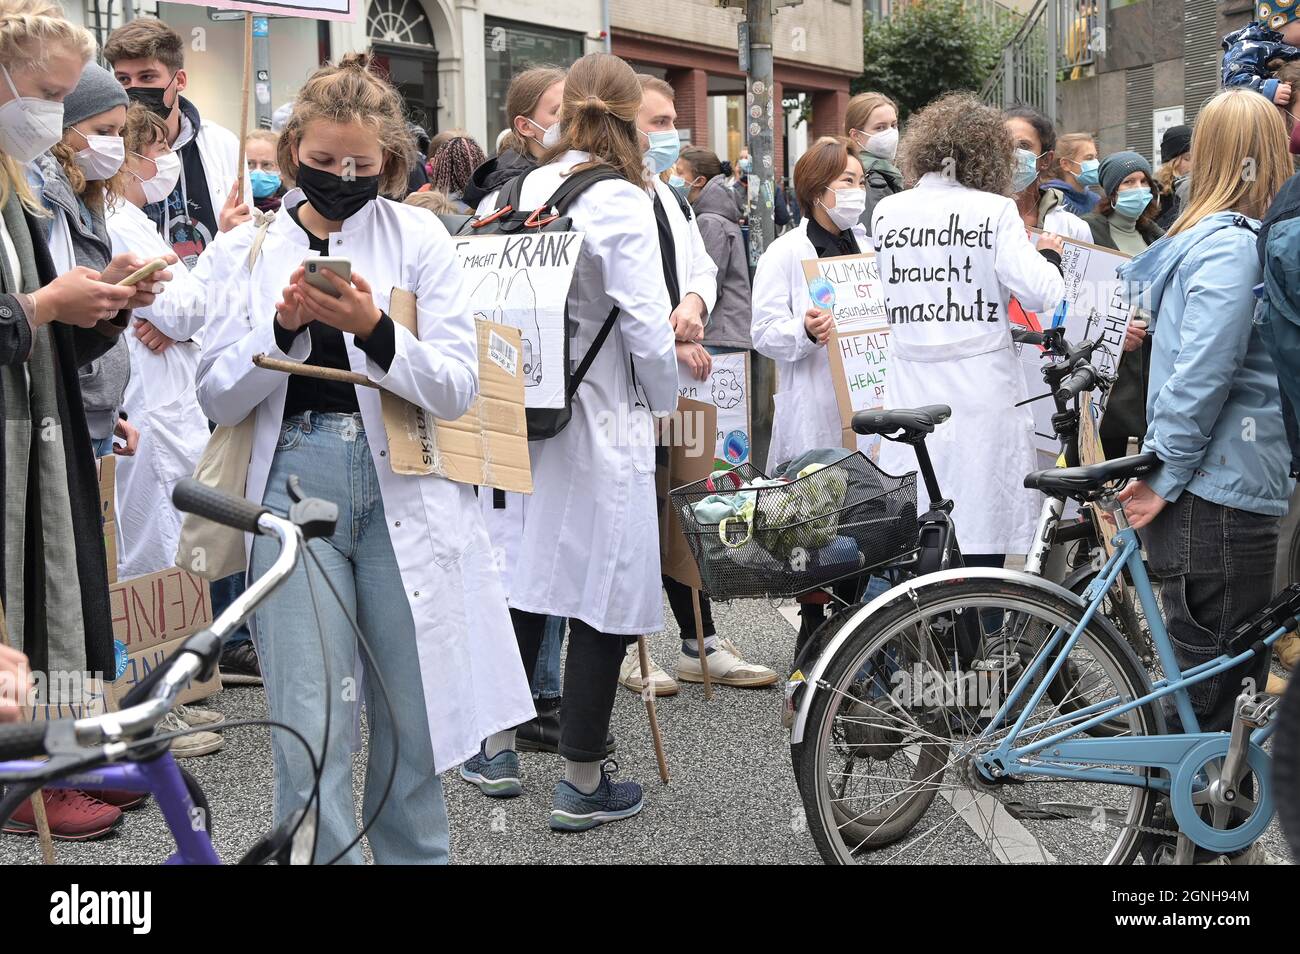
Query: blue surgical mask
[
  {"x": 665, "y": 146},
  {"x": 1131, "y": 203},
  {"x": 1026, "y": 170},
  {"x": 677, "y": 182},
  {"x": 264, "y": 183},
  {"x": 746, "y": 165},
  {"x": 1088, "y": 172}
]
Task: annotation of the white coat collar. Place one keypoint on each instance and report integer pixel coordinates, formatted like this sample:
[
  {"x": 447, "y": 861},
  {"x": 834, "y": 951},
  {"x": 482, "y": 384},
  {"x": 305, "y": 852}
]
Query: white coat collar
[
  {"x": 937, "y": 180},
  {"x": 284, "y": 224}
]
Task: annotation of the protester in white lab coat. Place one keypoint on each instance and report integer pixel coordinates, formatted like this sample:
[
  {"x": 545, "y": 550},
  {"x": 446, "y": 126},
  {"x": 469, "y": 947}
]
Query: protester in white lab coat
[
  {"x": 590, "y": 549},
  {"x": 952, "y": 252},
  {"x": 410, "y": 556},
  {"x": 789, "y": 329},
  {"x": 691, "y": 276},
  {"x": 1040, "y": 206},
  {"x": 164, "y": 351},
  {"x": 148, "y": 58}
]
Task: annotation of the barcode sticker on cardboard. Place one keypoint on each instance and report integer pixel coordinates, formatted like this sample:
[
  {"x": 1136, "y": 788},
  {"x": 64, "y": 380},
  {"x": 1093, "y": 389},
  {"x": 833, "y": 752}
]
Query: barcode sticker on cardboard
[{"x": 503, "y": 354}]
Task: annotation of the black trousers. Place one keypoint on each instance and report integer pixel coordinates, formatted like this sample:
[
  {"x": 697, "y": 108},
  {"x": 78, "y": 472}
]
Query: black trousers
[
  {"x": 1215, "y": 566},
  {"x": 679, "y": 600},
  {"x": 590, "y": 681}
]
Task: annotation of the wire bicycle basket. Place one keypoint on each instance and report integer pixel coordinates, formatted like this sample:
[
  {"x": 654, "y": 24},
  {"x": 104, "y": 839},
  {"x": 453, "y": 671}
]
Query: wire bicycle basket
[{"x": 755, "y": 538}]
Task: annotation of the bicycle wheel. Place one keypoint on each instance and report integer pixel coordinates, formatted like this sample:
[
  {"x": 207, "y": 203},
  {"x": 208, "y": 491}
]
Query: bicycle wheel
[
  {"x": 886, "y": 771},
  {"x": 1286, "y": 767}
]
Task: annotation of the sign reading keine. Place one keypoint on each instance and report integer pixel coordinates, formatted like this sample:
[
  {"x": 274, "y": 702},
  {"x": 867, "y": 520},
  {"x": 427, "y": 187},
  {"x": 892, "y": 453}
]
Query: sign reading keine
[
  {"x": 311, "y": 9},
  {"x": 523, "y": 281},
  {"x": 849, "y": 287}
]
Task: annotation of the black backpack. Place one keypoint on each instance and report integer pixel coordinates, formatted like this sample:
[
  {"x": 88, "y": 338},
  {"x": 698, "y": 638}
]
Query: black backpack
[{"x": 508, "y": 218}]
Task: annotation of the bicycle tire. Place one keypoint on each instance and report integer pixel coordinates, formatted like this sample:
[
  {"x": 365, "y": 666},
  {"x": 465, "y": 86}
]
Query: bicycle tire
[
  {"x": 809, "y": 770},
  {"x": 1286, "y": 767}
]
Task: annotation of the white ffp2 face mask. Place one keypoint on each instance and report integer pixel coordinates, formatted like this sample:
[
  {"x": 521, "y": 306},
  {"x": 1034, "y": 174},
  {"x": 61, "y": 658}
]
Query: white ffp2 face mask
[
  {"x": 101, "y": 158},
  {"x": 164, "y": 180},
  {"x": 28, "y": 126},
  {"x": 884, "y": 144},
  {"x": 848, "y": 208}
]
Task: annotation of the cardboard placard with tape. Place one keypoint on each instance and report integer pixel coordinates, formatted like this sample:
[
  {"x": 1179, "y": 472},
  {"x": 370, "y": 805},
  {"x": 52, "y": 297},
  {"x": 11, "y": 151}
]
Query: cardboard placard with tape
[{"x": 684, "y": 455}]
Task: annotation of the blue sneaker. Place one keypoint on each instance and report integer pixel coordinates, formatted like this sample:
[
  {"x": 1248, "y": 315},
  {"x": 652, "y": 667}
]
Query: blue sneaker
[
  {"x": 496, "y": 777},
  {"x": 573, "y": 811}
]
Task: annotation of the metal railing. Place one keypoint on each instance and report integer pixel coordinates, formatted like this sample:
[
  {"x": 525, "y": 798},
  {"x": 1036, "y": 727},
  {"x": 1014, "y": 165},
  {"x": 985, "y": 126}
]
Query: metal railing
[{"x": 1058, "y": 40}]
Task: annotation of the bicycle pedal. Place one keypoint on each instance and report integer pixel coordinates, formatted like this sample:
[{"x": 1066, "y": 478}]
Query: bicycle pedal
[
  {"x": 1258, "y": 710},
  {"x": 1280, "y": 612}
]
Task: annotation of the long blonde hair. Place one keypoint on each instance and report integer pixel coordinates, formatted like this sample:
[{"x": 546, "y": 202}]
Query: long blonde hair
[
  {"x": 29, "y": 30},
  {"x": 598, "y": 116},
  {"x": 526, "y": 90},
  {"x": 1240, "y": 156}
]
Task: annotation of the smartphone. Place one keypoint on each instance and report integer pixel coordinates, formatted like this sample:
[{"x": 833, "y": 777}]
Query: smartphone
[
  {"x": 313, "y": 267},
  {"x": 140, "y": 274}
]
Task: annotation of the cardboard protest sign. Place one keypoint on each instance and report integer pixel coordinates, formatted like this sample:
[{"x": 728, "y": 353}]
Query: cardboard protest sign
[
  {"x": 523, "y": 281},
  {"x": 727, "y": 389},
  {"x": 488, "y": 445},
  {"x": 310, "y": 9},
  {"x": 108, "y": 511},
  {"x": 684, "y": 456},
  {"x": 152, "y": 617},
  {"x": 849, "y": 286},
  {"x": 1093, "y": 308}
]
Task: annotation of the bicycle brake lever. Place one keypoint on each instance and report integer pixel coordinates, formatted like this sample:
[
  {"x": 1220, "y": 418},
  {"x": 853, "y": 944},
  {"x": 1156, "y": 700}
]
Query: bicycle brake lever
[
  {"x": 313, "y": 516},
  {"x": 294, "y": 486}
]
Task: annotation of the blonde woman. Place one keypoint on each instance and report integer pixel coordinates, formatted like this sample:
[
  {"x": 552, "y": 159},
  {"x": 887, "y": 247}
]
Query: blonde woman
[
  {"x": 1210, "y": 515},
  {"x": 410, "y": 556},
  {"x": 51, "y": 323},
  {"x": 871, "y": 121}
]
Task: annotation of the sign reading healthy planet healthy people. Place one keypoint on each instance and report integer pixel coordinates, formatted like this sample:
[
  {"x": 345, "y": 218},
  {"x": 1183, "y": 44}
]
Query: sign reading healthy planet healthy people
[
  {"x": 523, "y": 281},
  {"x": 1094, "y": 308},
  {"x": 848, "y": 286},
  {"x": 727, "y": 389}
]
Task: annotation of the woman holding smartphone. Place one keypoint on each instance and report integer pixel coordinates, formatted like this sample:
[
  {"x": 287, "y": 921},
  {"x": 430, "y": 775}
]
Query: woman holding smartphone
[{"x": 409, "y": 557}]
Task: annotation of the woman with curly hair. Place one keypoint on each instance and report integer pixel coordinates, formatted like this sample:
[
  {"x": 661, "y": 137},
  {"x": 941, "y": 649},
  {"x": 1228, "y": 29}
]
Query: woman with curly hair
[
  {"x": 452, "y": 168},
  {"x": 952, "y": 253}
]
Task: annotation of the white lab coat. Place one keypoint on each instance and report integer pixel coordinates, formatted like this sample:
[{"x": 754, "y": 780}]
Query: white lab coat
[
  {"x": 806, "y": 415},
  {"x": 160, "y": 402},
  {"x": 474, "y": 683},
  {"x": 696, "y": 270},
  {"x": 983, "y": 453},
  {"x": 590, "y": 543},
  {"x": 1066, "y": 224},
  {"x": 219, "y": 153}
]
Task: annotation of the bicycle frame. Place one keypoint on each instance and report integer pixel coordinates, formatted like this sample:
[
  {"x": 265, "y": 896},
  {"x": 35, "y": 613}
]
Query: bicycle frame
[
  {"x": 160, "y": 777},
  {"x": 1057, "y": 754}
]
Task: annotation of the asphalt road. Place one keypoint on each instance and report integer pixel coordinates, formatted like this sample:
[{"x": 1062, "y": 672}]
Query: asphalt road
[{"x": 731, "y": 798}]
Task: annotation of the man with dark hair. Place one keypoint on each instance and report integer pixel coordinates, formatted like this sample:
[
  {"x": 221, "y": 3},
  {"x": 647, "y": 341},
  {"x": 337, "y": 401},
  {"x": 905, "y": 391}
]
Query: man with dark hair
[{"x": 148, "y": 59}]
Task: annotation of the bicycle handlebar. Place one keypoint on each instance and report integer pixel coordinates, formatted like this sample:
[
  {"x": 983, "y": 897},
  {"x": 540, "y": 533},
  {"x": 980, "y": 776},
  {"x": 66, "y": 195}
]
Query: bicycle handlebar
[
  {"x": 191, "y": 496},
  {"x": 1082, "y": 378}
]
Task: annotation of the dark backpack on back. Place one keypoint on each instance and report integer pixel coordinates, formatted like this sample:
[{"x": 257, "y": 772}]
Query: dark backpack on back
[{"x": 509, "y": 218}]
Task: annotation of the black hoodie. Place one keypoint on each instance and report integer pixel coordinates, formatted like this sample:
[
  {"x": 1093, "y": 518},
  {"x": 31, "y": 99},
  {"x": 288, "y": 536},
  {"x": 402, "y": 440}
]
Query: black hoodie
[{"x": 495, "y": 173}]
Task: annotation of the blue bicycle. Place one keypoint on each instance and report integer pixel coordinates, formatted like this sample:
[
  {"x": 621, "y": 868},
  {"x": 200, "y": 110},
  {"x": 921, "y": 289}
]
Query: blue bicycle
[
  {"x": 122, "y": 750},
  {"x": 990, "y": 716}
]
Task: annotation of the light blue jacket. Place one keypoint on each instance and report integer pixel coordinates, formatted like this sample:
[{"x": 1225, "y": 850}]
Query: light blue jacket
[{"x": 1213, "y": 404}]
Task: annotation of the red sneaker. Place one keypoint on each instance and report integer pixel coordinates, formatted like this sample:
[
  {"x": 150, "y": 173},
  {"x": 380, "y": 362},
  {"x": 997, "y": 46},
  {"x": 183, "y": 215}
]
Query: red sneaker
[
  {"x": 73, "y": 816},
  {"x": 120, "y": 798}
]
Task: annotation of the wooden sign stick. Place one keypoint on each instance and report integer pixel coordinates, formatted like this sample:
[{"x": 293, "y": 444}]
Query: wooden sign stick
[
  {"x": 648, "y": 694},
  {"x": 313, "y": 371},
  {"x": 243, "y": 109},
  {"x": 699, "y": 641},
  {"x": 37, "y": 799}
]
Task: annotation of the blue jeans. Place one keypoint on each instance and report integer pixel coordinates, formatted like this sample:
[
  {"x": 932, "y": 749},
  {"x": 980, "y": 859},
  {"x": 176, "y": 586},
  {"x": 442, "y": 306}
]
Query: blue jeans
[
  {"x": 330, "y": 454},
  {"x": 103, "y": 446},
  {"x": 546, "y": 674},
  {"x": 224, "y": 592}
]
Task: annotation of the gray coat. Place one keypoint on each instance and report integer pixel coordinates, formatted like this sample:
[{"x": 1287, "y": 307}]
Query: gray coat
[
  {"x": 719, "y": 221},
  {"x": 103, "y": 381}
]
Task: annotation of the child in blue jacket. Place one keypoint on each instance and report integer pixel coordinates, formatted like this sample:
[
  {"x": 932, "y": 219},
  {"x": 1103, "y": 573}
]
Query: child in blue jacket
[{"x": 1274, "y": 35}]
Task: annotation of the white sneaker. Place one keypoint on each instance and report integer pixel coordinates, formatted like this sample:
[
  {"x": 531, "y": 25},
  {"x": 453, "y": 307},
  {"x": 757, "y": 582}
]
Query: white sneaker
[
  {"x": 1256, "y": 854},
  {"x": 726, "y": 668},
  {"x": 629, "y": 674},
  {"x": 192, "y": 744},
  {"x": 198, "y": 718}
]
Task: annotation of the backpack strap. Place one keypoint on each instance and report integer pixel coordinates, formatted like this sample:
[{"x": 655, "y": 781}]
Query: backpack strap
[
  {"x": 574, "y": 185},
  {"x": 683, "y": 205},
  {"x": 576, "y": 378}
]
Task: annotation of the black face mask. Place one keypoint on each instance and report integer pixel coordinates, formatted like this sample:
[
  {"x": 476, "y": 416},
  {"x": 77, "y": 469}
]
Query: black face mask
[
  {"x": 152, "y": 98},
  {"x": 335, "y": 197}
]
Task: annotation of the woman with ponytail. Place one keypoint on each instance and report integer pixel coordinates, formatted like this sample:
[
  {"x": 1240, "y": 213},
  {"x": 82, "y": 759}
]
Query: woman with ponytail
[{"x": 590, "y": 547}]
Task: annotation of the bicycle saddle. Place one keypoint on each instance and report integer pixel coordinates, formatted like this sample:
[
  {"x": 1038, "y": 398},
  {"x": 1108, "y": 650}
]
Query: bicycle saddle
[
  {"x": 912, "y": 421},
  {"x": 1076, "y": 481}
]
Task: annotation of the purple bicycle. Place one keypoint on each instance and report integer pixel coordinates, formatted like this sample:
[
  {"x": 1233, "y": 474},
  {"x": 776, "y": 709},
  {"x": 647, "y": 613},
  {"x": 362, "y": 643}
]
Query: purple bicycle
[{"x": 122, "y": 750}]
